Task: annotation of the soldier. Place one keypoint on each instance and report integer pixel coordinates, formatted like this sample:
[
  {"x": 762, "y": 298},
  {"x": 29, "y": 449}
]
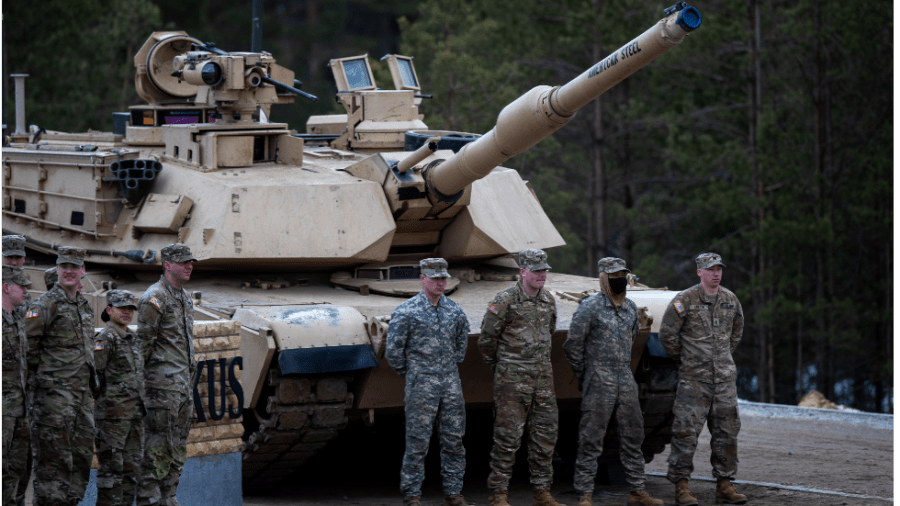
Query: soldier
[
  {"x": 120, "y": 406},
  {"x": 14, "y": 255},
  {"x": 16, "y": 432},
  {"x": 700, "y": 330},
  {"x": 60, "y": 332},
  {"x": 51, "y": 277},
  {"x": 601, "y": 334},
  {"x": 515, "y": 341},
  {"x": 427, "y": 337},
  {"x": 166, "y": 327}
]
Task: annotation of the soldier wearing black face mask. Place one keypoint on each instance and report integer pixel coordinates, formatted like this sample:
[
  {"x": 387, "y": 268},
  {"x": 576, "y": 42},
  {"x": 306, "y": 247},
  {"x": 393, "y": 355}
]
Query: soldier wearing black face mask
[{"x": 599, "y": 350}]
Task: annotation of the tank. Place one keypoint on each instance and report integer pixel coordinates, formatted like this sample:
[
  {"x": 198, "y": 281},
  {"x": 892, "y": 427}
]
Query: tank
[{"x": 309, "y": 239}]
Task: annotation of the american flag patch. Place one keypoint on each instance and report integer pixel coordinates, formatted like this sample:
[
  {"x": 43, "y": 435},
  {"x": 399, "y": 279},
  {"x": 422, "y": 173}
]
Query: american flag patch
[
  {"x": 492, "y": 308},
  {"x": 32, "y": 313},
  {"x": 678, "y": 306},
  {"x": 98, "y": 346},
  {"x": 156, "y": 302}
]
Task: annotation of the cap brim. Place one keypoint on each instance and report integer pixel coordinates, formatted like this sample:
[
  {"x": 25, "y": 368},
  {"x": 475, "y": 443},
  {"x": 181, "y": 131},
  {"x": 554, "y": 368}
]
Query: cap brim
[
  {"x": 60, "y": 261},
  {"x": 14, "y": 253}
]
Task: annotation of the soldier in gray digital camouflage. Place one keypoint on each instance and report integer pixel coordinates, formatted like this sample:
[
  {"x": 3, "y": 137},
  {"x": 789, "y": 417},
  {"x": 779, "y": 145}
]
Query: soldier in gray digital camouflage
[
  {"x": 601, "y": 334},
  {"x": 166, "y": 328},
  {"x": 16, "y": 431},
  {"x": 60, "y": 332},
  {"x": 700, "y": 330},
  {"x": 515, "y": 341},
  {"x": 14, "y": 255},
  {"x": 427, "y": 337},
  {"x": 119, "y": 410}
]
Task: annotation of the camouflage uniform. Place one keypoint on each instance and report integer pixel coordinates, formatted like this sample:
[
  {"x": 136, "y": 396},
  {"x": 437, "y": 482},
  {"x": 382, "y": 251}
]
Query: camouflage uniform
[
  {"x": 599, "y": 349},
  {"x": 119, "y": 409},
  {"x": 424, "y": 344},
  {"x": 700, "y": 332},
  {"x": 515, "y": 341},
  {"x": 16, "y": 434},
  {"x": 61, "y": 359},
  {"x": 14, "y": 246},
  {"x": 166, "y": 326}
]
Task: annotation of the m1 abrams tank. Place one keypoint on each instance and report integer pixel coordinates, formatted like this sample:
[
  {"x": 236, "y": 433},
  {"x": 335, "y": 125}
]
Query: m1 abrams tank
[{"x": 307, "y": 239}]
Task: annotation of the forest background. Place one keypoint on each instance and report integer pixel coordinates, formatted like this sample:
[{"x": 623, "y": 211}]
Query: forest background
[{"x": 767, "y": 137}]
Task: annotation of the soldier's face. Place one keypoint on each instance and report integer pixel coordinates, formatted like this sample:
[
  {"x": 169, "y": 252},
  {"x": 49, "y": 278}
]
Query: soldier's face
[
  {"x": 14, "y": 261},
  {"x": 16, "y": 293},
  {"x": 533, "y": 279},
  {"x": 620, "y": 274},
  {"x": 711, "y": 277},
  {"x": 181, "y": 271},
  {"x": 70, "y": 275},
  {"x": 433, "y": 287},
  {"x": 120, "y": 315}
]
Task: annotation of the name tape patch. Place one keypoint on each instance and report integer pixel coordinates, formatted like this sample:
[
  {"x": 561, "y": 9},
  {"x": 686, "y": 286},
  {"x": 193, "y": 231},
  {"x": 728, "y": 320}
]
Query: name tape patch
[
  {"x": 699, "y": 307},
  {"x": 728, "y": 306}
]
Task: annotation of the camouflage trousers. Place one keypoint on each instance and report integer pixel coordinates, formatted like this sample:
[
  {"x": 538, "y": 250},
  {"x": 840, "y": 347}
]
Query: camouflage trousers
[
  {"x": 523, "y": 393},
  {"x": 63, "y": 436},
  {"x": 119, "y": 451},
  {"x": 697, "y": 403},
  {"x": 433, "y": 401},
  {"x": 606, "y": 392},
  {"x": 165, "y": 447},
  {"x": 16, "y": 448}
]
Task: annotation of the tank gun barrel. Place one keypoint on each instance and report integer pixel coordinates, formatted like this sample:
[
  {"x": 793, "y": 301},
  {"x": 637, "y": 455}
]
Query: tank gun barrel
[{"x": 544, "y": 110}]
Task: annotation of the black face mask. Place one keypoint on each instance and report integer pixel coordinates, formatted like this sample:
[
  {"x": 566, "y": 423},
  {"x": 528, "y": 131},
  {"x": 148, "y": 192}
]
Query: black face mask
[{"x": 617, "y": 285}]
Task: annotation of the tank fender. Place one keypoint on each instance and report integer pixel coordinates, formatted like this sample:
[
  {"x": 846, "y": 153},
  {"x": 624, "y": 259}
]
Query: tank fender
[{"x": 314, "y": 338}]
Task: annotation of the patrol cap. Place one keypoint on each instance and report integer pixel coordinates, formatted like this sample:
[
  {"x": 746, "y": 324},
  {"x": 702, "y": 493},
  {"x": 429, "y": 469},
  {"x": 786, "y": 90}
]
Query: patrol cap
[
  {"x": 50, "y": 277},
  {"x": 178, "y": 253},
  {"x": 70, "y": 255},
  {"x": 15, "y": 275},
  {"x": 434, "y": 268},
  {"x": 533, "y": 260},
  {"x": 611, "y": 265},
  {"x": 120, "y": 298},
  {"x": 708, "y": 260},
  {"x": 13, "y": 246}
]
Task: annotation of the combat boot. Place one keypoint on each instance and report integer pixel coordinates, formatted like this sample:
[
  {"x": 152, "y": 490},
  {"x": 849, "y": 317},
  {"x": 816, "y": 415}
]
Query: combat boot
[
  {"x": 412, "y": 500},
  {"x": 642, "y": 498},
  {"x": 726, "y": 494},
  {"x": 683, "y": 495},
  {"x": 543, "y": 498},
  {"x": 499, "y": 498},
  {"x": 454, "y": 500},
  {"x": 585, "y": 499}
]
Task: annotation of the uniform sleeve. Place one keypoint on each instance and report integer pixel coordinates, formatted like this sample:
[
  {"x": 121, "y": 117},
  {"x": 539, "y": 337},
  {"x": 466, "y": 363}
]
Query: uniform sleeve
[
  {"x": 36, "y": 318},
  {"x": 579, "y": 328},
  {"x": 397, "y": 337},
  {"x": 737, "y": 328},
  {"x": 491, "y": 328},
  {"x": 670, "y": 329},
  {"x": 553, "y": 317},
  {"x": 462, "y": 337},
  {"x": 148, "y": 319},
  {"x": 101, "y": 352}
]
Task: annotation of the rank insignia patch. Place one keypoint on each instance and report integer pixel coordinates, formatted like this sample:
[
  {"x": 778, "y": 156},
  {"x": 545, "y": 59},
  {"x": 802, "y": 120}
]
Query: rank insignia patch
[
  {"x": 32, "y": 313},
  {"x": 98, "y": 346},
  {"x": 492, "y": 308},
  {"x": 678, "y": 306},
  {"x": 156, "y": 302}
]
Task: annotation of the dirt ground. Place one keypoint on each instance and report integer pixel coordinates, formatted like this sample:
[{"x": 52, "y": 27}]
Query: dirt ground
[{"x": 363, "y": 468}]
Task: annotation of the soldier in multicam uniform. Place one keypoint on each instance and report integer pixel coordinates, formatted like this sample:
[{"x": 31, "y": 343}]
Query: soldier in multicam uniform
[
  {"x": 700, "y": 330},
  {"x": 14, "y": 255},
  {"x": 60, "y": 332},
  {"x": 601, "y": 334},
  {"x": 515, "y": 341},
  {"x": 16, "y": 432},
  {"x": 166, "y": 327},
  {"x": 427, "y": 338},
  {"x": 120, "y": 406}
]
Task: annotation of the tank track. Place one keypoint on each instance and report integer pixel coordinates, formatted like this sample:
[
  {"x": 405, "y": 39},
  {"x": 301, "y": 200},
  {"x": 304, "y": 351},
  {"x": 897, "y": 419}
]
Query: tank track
[{"x": 305, "y": 413}]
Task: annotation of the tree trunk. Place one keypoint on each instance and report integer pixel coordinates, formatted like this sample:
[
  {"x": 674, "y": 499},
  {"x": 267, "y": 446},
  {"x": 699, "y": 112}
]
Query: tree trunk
[{"x": 597, "y": 216}]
